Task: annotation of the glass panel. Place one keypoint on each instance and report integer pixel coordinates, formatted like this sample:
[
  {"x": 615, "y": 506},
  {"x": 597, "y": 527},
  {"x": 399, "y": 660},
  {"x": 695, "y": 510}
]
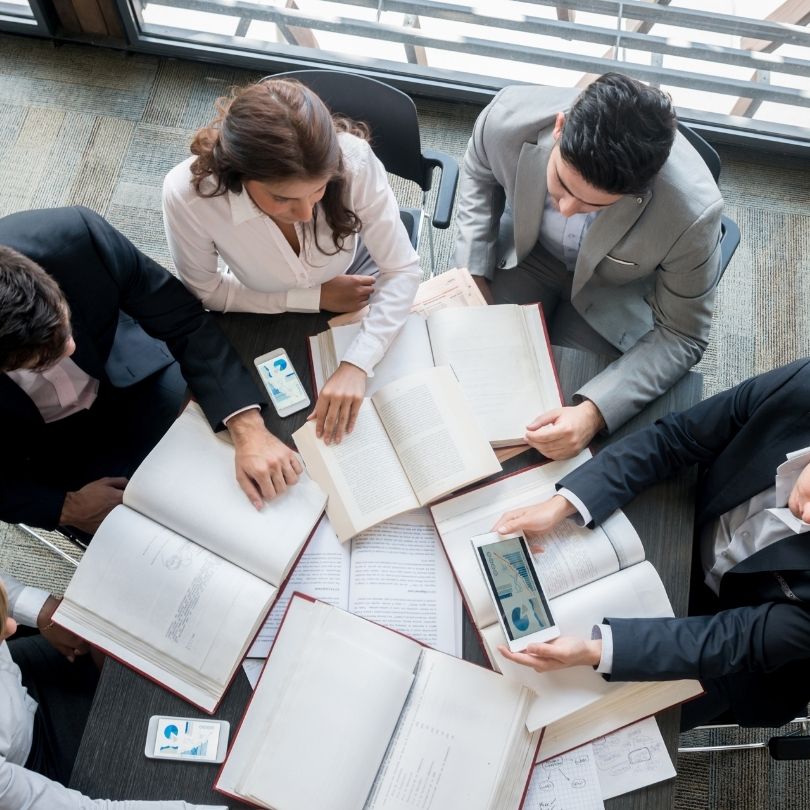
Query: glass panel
[
  {"x": 16, "y": 8},
  {"x": 747, "y": 58}
]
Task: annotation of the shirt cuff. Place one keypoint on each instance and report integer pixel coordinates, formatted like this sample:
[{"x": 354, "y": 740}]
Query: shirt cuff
[
  {"x": 365, "y": 352},
  {"x": 605, "y": 632},
  {"x": 584, "y": 517},
  {"x": 255, "y": 406},
  {"x": 28, "y": 605},
  {"x": 304, "y": 299}
]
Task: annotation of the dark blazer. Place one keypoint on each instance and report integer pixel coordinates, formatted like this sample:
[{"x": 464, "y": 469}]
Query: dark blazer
[
  {"x": 106, "y": 279},
  {"x": 760, "y": 638}
]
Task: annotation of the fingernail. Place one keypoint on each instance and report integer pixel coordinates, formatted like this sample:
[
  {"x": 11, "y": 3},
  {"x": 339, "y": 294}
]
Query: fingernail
[{"x": 258, "y": 505}]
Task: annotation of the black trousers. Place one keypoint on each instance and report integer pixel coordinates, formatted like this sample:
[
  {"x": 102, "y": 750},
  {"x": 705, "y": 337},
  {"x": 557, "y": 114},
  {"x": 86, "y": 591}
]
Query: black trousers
[{"x": 64, "y": 692}]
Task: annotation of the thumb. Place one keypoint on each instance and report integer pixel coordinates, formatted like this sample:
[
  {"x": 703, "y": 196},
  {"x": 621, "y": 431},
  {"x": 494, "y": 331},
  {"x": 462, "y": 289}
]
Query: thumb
[
  {"x": 510, "y": 525},
  {"x": 548, "y": 418},
  {"x": 116, "y": 482},
  {"x": 364, "y": 280}
]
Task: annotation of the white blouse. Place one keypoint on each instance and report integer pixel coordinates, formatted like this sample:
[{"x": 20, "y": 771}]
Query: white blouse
[{"x": 264, "y": 274}]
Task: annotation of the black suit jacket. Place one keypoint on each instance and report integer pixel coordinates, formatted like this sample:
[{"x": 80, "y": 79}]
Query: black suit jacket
[
  {"x": 760, "y": 635},
  {"x": 108, "y": 282}
]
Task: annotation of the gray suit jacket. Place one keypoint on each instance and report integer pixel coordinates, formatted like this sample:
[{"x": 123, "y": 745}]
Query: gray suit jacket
[{"x": 648, "y": 266}]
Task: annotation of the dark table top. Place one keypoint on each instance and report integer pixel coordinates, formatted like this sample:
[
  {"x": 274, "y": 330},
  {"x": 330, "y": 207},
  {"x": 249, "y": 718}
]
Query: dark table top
[{"x": 111, "y": 762}]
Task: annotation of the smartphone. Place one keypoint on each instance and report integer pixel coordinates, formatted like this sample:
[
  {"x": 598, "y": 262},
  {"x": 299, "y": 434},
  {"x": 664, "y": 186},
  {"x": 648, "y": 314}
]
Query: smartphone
[
  {"x": 282, "y": 383},
  {"x": 522, "y": 607},
  {"x": 187, "y": 740}
]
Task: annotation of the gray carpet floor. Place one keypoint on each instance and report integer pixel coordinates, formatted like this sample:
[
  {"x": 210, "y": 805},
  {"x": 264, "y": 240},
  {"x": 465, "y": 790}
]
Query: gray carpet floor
[{"x": 82, "y": 125}]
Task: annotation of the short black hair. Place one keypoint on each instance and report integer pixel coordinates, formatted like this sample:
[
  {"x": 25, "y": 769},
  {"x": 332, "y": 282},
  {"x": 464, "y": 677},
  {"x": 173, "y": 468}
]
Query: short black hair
[
  {"x": 34, "y": 315},
  {"x": 618, "y": 134}
]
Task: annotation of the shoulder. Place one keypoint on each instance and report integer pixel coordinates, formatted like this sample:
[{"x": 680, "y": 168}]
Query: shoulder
[
  {"x": 358, "y": 155},
  {"x": 177, "y": 186},
  {"x": 519, "y": 112},
  {"x": 685, "y": 184},
  {"x": 49, "y": 232}
]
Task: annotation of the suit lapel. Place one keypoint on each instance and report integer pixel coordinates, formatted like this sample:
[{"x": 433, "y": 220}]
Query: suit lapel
[
  {"x": 608, "y": 228},
  {"x": 530, "y": 193}
]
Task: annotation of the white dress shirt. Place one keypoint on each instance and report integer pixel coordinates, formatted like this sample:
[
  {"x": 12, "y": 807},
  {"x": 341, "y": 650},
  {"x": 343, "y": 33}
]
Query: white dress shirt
[
  {"x": 58, "y": 391},
  {"x": 264, "y": 274},
  {"x": 21, "y": 789},
  {"x": 738, "y": 534},
  {"x": 562, "y": 236}
]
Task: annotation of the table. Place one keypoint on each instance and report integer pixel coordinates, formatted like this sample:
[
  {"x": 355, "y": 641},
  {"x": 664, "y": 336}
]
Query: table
[{"x": 111, "y": 763}]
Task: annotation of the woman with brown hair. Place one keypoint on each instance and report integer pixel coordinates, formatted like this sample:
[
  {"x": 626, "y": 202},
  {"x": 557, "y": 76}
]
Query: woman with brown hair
[
  {"x": 300, "y": 211},
  {"x": 45, "y": 700}
]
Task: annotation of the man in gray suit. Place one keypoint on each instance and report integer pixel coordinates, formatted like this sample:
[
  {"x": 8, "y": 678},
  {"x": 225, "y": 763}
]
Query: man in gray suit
[{"x": 595, "y": 206}]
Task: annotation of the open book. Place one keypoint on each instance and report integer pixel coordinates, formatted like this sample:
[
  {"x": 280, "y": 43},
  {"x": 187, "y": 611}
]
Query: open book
[
  {"x": 178, "y": 580},
  {"x": 395, "y": 574},
  {"x": 453, "y": 288},
  {"x": 349, "y": 715},
  {"x": 500, "y": 355},
  {"x": 414, "y": 441},
  {"x": 587, "y": 574}
]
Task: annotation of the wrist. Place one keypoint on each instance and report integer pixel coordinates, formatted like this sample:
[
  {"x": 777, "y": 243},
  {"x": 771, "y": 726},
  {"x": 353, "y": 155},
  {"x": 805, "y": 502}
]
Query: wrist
[
  {"x": 594, "y": 416},
  {"x": 593, "y": 652},
  {"x": 69, "y": 513},
  {"x": 562, "y": 507},
  {"x": 45, "y": 617},
  {"x": 245, "y": 426}
]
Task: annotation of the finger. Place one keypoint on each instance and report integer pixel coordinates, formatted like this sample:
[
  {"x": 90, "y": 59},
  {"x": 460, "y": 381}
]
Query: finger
[
  {"x": 544, "y": 419},
  {"x": 520, "y": 658},
  {"x": 321, "y": 409},
  {"x": 289, "y": 473},
  {"x": 296, "y": 464},
  {"x": 342, "y": 421},
  {"x": 331, "y": 421},
  {"x": 364, "y": 281},
  {"x": 117, "y": 482},
  {"x": 249, "y": 487},
  {"x": 536, "y": 545},
  {"x": 279, "y": 485},
  {"x": 354, "y": 410}
]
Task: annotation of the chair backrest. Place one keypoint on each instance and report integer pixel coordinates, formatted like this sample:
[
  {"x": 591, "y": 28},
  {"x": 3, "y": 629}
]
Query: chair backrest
[
  {"x": 703, "y": 148},
  {"x": 389, "y": 113}
]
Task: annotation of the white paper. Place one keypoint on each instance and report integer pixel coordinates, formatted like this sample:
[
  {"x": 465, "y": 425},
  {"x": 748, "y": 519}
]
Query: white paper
[
  {"x": 567, "y": 782},
  {"x": 631, "y": 758}
]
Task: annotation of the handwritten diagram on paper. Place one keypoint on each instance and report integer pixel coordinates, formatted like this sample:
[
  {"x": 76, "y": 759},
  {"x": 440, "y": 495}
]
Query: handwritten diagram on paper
[
  {"x": 566, "y": 782},
  {"x": 631, "y": 758}
]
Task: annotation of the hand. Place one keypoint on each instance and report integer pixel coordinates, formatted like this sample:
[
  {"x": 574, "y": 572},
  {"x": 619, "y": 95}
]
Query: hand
[
  {"x": 482, "y": 282},
  {"x": 265, "y": 466},
  {"x": 88, "y": 506},
  {"x": 346, "y": 293},
  {"x": 561, "y": 653},
  {"x": 563, "y": 432},
  {"x": 60, "y": 639},
  {"x": 339, "y": 403},
  {"x": 536, "y": 519}
]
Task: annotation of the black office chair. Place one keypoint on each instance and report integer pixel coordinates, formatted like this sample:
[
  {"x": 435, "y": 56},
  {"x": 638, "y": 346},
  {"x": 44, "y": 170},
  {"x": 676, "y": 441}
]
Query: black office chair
[
  {"x": 729, "y": 231},
  {"x": 391, "y": 117},
  {"x": 795, "y": 745}
]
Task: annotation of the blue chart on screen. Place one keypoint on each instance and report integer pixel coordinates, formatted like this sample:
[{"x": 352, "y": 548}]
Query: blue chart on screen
[
  {"x": 520, "y": 619},
  {"x": 280, "y": 363}
]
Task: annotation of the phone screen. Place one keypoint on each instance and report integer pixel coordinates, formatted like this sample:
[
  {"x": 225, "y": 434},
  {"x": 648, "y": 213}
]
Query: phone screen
[
  {"x": 521, "y": 603},
  {"x": 186, "y": 739},
  {"x": 281, "y": 382}
]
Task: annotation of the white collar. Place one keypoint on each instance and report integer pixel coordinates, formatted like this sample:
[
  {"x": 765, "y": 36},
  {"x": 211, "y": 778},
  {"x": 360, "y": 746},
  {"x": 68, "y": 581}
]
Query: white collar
[{"x": 243, "y": 208}]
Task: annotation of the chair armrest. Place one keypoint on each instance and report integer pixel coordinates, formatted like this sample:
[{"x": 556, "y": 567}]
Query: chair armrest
[
  {"x": 729, "y": 242},
  {"x": 447, "y": 185}
]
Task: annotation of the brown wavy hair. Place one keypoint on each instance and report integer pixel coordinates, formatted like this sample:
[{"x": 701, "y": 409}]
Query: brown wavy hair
[
  {"x": 3, "y": 608},
  {"x": 277, "y": 129}
]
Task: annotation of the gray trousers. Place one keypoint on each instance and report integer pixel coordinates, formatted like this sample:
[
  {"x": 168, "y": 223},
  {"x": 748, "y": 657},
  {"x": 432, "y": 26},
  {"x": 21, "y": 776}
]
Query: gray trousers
[{"x": 540, "y": 278}]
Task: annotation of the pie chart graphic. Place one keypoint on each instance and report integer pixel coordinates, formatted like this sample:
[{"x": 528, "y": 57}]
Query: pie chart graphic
[
  {"x": 279, "y": 364},
  {"x": 170, "y": 731},
  {"x": 520, "y": 618}
]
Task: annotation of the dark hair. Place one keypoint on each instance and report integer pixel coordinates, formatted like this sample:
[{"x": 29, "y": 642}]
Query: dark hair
[
  {"x": 618, "y": 134},
  {"x": 34, "y": 315},
  {"x": 277, "y": 129}
]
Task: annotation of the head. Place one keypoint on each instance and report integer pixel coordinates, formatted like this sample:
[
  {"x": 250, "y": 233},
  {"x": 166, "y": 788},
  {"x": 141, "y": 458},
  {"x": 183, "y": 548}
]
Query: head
[
  {"x": 612, "y": 142},
  {"x": 277, "y": 141},
  {"x": 35, "y": 329},
  {"x": 8, "y": 627},
  {"x": 799, "y": 498}
]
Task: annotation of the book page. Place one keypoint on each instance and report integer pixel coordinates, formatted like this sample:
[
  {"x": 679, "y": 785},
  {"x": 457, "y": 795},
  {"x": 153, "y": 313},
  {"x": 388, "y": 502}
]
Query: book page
[
  {"x": 323, "y": 711},
  {"x": 434, "y": 433},
  {"x": 453, "y": 288},
  {"x": 568, "y": 782},
  {"x": 187, "y": 483},
  {"x": 475, "y": 512},
  {"x": 460, "y": 730},
  {"x": 490, "y": 352},
  {"x": 362, "y": 475},
  {"x": 322, "y": 573},
  {"x": 400, "y": 578},
  {"x": 409, "y": 352},
  {"x": 161, "y": 602},
  {"x": 634, "y": 591}
]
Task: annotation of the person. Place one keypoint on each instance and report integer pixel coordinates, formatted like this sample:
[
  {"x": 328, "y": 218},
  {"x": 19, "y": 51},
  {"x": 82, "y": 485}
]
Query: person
[
  {"x": 46, "y": 702},
  {"x": 298, "y": 207},
  {"x": 596, "y": 207},
  {"x": 748, "y": 640},
  {"x": 86, "y": 386}
]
